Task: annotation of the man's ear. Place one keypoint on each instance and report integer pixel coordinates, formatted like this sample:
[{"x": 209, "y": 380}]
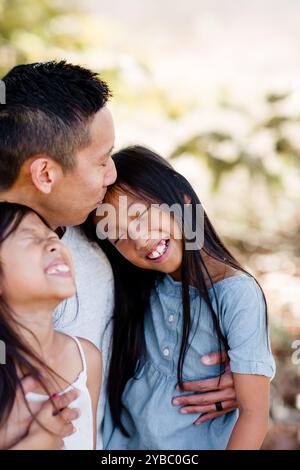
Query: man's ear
[{"x": 44, "y": 172}]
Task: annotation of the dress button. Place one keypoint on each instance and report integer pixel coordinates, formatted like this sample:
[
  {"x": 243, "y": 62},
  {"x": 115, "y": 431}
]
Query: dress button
[
  {"x": 166, "y": 352},
  {"x": 171, "y": 318}
]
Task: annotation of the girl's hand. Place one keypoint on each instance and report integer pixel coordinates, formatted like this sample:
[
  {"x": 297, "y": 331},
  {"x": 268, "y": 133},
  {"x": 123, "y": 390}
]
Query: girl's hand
[
  {"x": 55, "y": 426},
  {"x": 211, "y": 392}
]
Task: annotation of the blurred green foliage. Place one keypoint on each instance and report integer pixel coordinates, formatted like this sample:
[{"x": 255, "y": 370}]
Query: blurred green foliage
[
  {"x": 35, "y": 30},
  {"x": 208, "y": 146}
]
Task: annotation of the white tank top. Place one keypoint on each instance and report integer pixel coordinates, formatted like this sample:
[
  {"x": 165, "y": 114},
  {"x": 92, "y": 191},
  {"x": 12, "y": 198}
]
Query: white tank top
[{"x": 82, "y": 439}]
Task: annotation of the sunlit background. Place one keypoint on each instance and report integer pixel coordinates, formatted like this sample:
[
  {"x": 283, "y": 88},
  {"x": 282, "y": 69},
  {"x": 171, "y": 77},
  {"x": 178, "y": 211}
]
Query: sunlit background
[{"x": 215, "y": 87}]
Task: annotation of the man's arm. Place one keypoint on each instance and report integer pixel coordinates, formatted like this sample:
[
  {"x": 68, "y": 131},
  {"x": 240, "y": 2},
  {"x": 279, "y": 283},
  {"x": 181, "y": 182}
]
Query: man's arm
[
  {"x": 212, "y": 391},
  {"x": 16, "y": 427},
  {"x": 48, "y": 430},
  {"x": 20, "y": 419}
]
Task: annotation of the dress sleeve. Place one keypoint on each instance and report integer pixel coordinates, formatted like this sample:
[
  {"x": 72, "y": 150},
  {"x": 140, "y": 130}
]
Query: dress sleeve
[{"x": 244, "y": 324}]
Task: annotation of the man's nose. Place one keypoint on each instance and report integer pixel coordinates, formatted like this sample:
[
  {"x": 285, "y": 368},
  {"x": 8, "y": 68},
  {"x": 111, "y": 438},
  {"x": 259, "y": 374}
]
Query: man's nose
[{"x": 111, "y": 174}]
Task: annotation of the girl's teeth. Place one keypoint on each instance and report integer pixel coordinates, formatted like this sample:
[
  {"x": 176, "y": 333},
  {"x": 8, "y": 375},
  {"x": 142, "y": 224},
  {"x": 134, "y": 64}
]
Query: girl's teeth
[
  {"x": 159, "y": 250},
  {"x": 60, "y": 268}
]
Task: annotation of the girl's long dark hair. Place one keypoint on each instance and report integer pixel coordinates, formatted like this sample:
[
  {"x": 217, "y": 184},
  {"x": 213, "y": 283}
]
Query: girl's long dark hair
[
  {"x": 19, "y": 358},
  {"x": 149, "y": 177}
]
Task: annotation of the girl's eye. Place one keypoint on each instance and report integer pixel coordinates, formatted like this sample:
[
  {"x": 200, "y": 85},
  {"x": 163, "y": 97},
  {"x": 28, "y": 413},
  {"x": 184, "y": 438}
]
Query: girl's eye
[
  {"x": 142, "y": 214},
  {"x": 41, "y": 239},
  {"x": 33, "y": 239}
]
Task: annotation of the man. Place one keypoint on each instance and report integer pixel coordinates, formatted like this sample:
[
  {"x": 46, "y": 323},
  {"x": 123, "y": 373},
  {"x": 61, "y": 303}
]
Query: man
[{"x": 56, "y": 139}]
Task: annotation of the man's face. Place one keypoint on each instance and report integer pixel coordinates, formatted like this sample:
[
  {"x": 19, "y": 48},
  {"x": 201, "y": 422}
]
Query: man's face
[{"x": 82, "y": 189}]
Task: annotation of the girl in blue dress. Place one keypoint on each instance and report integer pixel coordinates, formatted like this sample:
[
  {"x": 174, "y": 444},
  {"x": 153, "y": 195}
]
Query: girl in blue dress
[{"x": 175, "y": 301}]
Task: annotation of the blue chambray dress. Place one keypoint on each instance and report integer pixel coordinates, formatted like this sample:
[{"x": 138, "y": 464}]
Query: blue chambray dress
[{"x": 149, "y": 416}]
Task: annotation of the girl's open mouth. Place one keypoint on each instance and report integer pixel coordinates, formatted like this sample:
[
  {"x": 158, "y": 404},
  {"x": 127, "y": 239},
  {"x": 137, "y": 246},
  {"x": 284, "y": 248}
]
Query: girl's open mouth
[
  {"x": 58, "y": 268},
  {"x": 159, "y": 251}
]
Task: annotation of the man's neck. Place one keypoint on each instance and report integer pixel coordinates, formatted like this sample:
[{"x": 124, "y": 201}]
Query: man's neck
[
  {"x": 17, "y": 196},
  {"x": 24, "y": 197}
]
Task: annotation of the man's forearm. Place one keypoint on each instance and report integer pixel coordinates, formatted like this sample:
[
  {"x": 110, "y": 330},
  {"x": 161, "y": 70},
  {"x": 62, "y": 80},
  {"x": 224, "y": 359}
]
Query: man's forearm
[
  {"x": 23, "y": 444},
  {"x": 9, "y": 439}
]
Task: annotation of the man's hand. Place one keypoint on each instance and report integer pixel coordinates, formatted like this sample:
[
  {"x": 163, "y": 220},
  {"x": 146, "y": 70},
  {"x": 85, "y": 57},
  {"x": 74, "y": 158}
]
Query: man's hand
[
  {"x": 19, "y": 419},
  {"x": 17, "y": 425},
  {"x": 211, "y": 392},
  {"x": 49, "y": 429}
]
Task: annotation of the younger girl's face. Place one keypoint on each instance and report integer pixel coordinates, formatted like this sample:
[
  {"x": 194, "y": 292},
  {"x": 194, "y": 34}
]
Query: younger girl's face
[
  {"x": 145, "y": 235},
  {"x": 35, "y": 265}
]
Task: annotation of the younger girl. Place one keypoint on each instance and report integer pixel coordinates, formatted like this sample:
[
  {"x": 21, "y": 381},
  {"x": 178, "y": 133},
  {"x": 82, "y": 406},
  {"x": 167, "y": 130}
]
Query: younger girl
[
  {"x": 36, "y": 274},
  {"x": 175, "y": 302}
]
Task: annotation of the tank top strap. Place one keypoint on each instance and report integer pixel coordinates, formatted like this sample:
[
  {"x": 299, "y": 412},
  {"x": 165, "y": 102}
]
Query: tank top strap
[{"x": 81, "y": 352}]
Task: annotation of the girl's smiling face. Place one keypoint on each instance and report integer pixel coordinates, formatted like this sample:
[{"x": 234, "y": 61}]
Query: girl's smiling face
[
  {"x": 145, "y": 234},
  {"x": 35, "y": 265}
]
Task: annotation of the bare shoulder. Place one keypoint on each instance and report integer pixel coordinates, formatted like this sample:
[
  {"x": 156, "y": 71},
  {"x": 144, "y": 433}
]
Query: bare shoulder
[{"x": 92, "y": 353}]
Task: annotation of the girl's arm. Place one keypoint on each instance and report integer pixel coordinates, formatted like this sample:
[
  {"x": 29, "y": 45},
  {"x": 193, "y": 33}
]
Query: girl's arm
[
  {"x": 94, "y": 375},
  {"x": 252, "y": 393}
]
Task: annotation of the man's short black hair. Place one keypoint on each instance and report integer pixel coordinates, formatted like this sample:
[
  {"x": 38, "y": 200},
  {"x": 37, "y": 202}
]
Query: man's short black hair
[{"x": 48, "y": 108}]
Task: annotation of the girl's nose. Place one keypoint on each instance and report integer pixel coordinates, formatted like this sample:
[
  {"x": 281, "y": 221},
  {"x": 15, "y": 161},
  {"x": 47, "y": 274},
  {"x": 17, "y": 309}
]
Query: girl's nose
[
  {"x": 139, "y": 234},
  {"x": 52, "y": 246},
  {"x": 141, "y": 242}
]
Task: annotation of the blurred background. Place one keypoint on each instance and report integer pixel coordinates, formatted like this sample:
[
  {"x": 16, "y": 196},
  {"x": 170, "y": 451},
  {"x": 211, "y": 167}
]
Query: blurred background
[{"x": 215, "y": 87}]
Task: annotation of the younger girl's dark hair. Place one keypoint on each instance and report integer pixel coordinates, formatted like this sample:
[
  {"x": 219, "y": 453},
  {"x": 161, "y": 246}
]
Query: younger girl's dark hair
[
  {"x": 144, "y": 174},
  {"x": 19, "y": 358}
]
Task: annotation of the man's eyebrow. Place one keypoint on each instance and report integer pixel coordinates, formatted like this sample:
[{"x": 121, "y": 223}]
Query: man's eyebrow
[{"x": 107, "y": 153}]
